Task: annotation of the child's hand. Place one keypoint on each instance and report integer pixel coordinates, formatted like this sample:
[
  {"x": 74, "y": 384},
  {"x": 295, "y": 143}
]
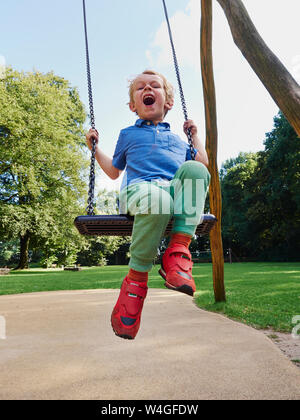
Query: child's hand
[
  {"x": 190, "y": 124},
  {"x": 89, "y": 137}
]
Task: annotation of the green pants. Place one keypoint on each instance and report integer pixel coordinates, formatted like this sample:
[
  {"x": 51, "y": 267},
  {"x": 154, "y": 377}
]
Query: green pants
[{"x": 154, "y": 203}]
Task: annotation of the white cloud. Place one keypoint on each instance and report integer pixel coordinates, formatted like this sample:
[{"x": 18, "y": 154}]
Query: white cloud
[
  {"x": 245, "y": 108},
  {"x": 185, "y": 31}
]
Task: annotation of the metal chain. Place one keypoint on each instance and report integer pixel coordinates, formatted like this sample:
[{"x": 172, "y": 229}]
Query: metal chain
[
  {"x": 183, "y": 103},
  {"x": 91, "y": 193}
]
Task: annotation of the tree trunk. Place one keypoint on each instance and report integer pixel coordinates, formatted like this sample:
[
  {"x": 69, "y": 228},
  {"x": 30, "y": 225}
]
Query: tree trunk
[
  {"x": 212, "y": 148},
  {"x": 278, "y": 81},
  {"x": 24, "y": 247}
]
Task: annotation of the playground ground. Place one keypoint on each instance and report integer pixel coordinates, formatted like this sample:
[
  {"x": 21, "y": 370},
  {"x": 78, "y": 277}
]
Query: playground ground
[
  {"x": 289, "y": 346},
  {"x": 60, "y": 345}
]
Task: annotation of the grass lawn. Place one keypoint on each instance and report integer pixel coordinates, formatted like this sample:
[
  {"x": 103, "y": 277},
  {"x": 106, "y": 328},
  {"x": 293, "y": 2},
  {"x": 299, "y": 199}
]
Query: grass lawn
[{"x": 259, "y": 294}]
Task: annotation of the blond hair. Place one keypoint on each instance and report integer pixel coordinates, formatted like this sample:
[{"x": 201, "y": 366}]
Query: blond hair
[{"x": 169, "y": 90}]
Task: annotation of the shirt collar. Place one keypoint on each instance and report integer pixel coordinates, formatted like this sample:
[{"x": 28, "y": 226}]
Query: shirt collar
[{"x": 140, "y": 123}]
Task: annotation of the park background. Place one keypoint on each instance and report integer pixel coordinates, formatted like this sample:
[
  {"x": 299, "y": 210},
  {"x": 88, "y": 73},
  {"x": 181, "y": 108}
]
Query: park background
[
  {"x": 258, "y": 157},
  {"x": 44, "y": 160}
]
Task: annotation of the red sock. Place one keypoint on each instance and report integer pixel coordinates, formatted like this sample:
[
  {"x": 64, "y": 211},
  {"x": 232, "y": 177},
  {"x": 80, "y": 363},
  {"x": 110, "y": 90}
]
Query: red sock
[
  {"x": 137, "y": 275},
  {"x": 180, "y": 238}
]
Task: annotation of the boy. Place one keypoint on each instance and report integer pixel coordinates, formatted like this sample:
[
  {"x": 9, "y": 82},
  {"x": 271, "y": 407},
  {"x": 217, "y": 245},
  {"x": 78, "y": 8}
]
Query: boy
[{"x": 161, "y": 181}]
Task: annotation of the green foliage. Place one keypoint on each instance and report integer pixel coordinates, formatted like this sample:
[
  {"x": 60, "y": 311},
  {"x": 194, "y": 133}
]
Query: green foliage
[
  {"x": 98, "y": 250},
  {"x": 107, "y": 202},
  {"x": 279, "y": 193},
  {"x": 261, "y": 198},
  {"x": 236, "y": 175},
  {"x": 41, "y": 161},
  {"x": 8, "y": 253},
  {"x": 46, "y": 262}
]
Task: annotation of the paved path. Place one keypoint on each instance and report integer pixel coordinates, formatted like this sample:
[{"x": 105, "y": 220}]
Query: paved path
[{"x": 60, "y": 345}]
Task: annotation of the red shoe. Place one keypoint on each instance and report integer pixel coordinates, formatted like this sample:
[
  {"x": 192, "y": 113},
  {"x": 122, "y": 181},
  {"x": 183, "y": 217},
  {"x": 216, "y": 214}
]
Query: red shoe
[
  {"x": 126, "y": 315},
  {"x": 176, "y": 269}
]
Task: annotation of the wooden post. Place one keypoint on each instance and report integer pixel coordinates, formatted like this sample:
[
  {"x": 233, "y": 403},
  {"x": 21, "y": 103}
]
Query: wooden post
[
  {"x": 212, "y": 148},
  {"x": 278, "y": 81}
]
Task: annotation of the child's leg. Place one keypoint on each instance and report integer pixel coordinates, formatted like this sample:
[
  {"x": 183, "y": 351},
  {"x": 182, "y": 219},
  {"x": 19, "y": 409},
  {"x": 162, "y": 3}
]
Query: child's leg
[
  {"x": 126, "y": 315},
  {"x": 190, "y": 186},
  {"x": 152, "y": 207}
]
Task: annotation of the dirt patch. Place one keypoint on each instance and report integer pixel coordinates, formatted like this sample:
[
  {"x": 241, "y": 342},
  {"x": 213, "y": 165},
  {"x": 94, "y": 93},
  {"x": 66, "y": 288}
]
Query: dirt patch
[{"x": 289, "y": 345}]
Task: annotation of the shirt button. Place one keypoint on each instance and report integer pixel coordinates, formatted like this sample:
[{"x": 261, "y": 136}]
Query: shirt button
[
  {"x": 157, "y": 131},
  {"x": 148, "y": 123}
]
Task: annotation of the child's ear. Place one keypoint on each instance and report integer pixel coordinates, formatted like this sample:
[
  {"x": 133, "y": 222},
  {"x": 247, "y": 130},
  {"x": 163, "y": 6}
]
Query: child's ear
[
  {"x": 169, "y": 104},
  {"x": 132, "y": 106}
]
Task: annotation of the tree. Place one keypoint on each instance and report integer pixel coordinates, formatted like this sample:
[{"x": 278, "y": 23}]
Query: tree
[
  {"x": 280, "y": 84},
  {"x": 212, "y": 147},
  {"x": 277, "y": 80},
  {"x": 99, "y": 250},
  {"x": 261, "y": 197},
  {"x": 275, "y": 208},
  {"x": 42, "y": 164},
  {"x": 8, "y": 253},
  {"x": 237, "y": 181}
]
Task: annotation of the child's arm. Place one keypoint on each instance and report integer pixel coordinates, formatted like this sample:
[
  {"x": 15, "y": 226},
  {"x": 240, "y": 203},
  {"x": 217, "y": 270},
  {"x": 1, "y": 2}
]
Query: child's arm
[
  {"x": 201, "y": 155},
  {"x": 104, "y": 161}
]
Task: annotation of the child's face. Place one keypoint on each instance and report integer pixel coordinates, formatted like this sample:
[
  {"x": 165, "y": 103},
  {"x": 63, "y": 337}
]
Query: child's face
[{"x": 149, "y": 98}]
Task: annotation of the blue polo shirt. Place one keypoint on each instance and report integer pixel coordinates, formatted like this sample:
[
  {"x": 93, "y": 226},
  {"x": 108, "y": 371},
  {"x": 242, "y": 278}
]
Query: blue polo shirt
[{"x": 149, "y": 152}]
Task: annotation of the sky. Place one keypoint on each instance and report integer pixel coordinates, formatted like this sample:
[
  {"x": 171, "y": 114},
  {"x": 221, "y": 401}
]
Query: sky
[{"x": 127, "y": 37}]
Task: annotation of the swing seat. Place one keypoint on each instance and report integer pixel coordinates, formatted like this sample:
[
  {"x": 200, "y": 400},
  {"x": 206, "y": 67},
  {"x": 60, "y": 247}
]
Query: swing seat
[{"x": 121, "y": 225}]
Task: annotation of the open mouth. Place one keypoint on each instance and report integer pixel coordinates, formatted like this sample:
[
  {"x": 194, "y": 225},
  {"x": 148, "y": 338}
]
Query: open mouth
[{"x": 148, "y": 100}]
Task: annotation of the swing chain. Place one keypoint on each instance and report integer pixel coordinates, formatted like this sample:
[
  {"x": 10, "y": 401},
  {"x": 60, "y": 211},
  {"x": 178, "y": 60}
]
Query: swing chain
[
  {"x": 183, "y": 103},
  {"x": 91, "y": 193}
]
